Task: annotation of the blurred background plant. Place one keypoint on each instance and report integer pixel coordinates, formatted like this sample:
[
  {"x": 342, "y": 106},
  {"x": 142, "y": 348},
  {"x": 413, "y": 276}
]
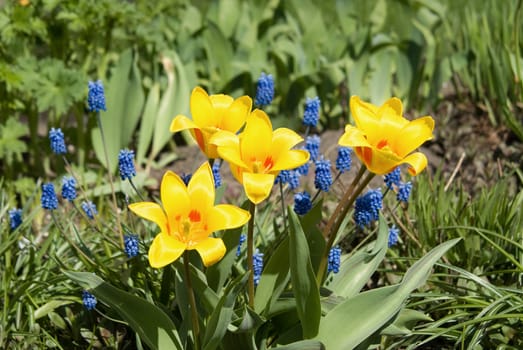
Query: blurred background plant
[{"x": 151, "y": 54}]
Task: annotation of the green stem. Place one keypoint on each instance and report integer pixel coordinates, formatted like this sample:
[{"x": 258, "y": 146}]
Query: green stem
[
  {"x": 110, "y": 181},
  {"x": 333, "y": 226},
  {"x": 283, "y": 211},
  {"x": 192, "y": 302},
  {"x": 250, "y": 253}
]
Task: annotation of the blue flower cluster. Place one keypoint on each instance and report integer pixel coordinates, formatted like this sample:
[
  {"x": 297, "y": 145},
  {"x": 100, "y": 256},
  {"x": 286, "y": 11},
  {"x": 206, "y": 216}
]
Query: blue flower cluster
[
  {"x": 393, "y": 236},
  {"x": 186, "y": 178},
  {"x": 15, "y": 218},
  {"x": 89, "y": 300},
  {"x": 302, "y": 203},
  {"x": 404, "y": 192},
  {"x": 49, "y": 200},
  {"x": 126, "y": 164},
  {"x": 303, "y": 169},
  {"x": 344, "y": 160},
  {"x": 264, "y": 90},
  {"x": 239, "y": 248},
  {"x": 96, "y": 96},
  {"x": 291, "y": 177},
  {"x": 257, "y": 266},
  {"x": 56, "y": 137},
  {"x": 367, "y": 207},
  {"x": 90, "y": 209},
  {"x": 312, "y": 145},
  {"x": 334, "y": 260},
  {"x": 312, "y": 112},
  {"x": 131, "y": 245},
  {"x": 69, "y": 188},
  {"x": 393, "y": 178},
  {"x": 216, "y": 174},
  {"x": 323, "y": 176}
]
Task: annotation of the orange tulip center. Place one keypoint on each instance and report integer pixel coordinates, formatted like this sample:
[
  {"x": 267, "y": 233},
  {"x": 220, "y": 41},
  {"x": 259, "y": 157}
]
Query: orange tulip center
[
  {"x": 260, "y": 167},
  {"x": 382, "y": 143},
  {"x": 191, "y": 228}
]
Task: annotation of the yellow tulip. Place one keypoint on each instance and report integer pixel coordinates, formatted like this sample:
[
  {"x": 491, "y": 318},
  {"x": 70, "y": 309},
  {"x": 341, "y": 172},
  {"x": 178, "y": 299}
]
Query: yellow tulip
[
  {"x": 383, "y": 139},
  {"x": 258, "y": 154},
  {"x": 188, "y": 218},
  {"x": 211, "y": 114}
]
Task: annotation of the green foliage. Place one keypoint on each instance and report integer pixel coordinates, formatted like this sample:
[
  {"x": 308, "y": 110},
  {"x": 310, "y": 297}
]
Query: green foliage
[{"x": 11, "y": 147}]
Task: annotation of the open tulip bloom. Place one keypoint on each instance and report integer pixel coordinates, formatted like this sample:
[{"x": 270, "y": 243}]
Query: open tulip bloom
[
  {"x": 258, "y": 154},
  {"x": 211, "y": 114},
  {"x": 188, "y": 218},
  {"x": 383, "y": 139}
]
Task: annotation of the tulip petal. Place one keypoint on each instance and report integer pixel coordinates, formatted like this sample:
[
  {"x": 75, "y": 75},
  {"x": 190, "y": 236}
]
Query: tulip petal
[
  {"x": 379, "y": 162},
  {"x": 181, "y": 122},
  {"x": 236, "y": 114},
  {"x": 290, "y": 160},
  {"x": 284, "y": 139},
  {"x": 164, "y": 250},
  {"x": 353, "y": 137},
  {"x": 226, "y": 216},
  {"x": 175, "y": 198},
  {"x": 211, "y": 250},
  {"x": 364, "y": 114},
  {"x": 255, "y": 140},
  {"x": 257, "y": 186},
  {"x": 228, "y": 146},
  {"x": 201, "y": 189},
  {"x": 416, "y": 161},
  {"x": 202, "y": 110},
  {"x": 152, "y": 212},
  {"x": 413, "y": 135}
]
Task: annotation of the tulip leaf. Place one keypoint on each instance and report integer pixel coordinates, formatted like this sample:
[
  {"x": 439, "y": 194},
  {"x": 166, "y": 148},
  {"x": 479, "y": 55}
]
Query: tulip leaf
[
  {"x": 222, "y": 314},
  {"x": 153, "y": 326},
  {"x": 303, "y": 279},
  {"x": 274, "y": 278},
  {"x": 373, "y": 309},
  {"x": 356, "y": 271},
  {"x": 303, "y": 345},
  {"x": 147, "y": 123}
]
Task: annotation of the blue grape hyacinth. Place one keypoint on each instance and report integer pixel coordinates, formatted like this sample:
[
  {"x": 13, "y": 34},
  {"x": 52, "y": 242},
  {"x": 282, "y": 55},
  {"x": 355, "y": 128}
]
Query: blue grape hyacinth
[
  {"x": 15, "y": 218},
  {"x": 126, "y": 164},
  {"x": 311, "y": 115},
  {"x": 393, "y": 236},
  {"x": 312, "y": 145},
  {"x": 56, "y": 137},
  {"x": 344, "y": 160},
  {"x": 302, "y": 203},
  {"x": 131, "y": 245},
  {"x": 243, "y": 238},
  {"x": 216, "y": 175},
  {"x": 96, "y": 96},
  {"x": 323, "y": 176},
  {"x": 404, "y": 191},
  {"x": 89, "y": 300},
  {"x": 367, "y": 207},
  {"x": 49, "y": 200},
  {"x": 334, "y": 260},
  {"x": 264, "y": 90},
  {"x": 69, "y": 188},
  {"x": 393, "y": 178},
  {"x": 90, "y": 209},
  {"x": 257, "y": 266}
]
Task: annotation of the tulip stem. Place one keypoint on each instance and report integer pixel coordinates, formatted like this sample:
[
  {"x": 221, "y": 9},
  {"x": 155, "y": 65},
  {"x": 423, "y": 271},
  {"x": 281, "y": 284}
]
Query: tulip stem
[
  {"x": 333, "y": 226},
  {"x": 250, "y": 253},
  {"x": 192, "y": 302}
]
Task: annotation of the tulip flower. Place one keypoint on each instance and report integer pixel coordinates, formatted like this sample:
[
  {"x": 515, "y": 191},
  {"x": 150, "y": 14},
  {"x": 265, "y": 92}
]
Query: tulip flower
[
  {"x": 188, "y": 217},
  {"x": 383, "y": 139},
  {"x": 211, "y": 114},
  {"x": 258, "y": 154}
]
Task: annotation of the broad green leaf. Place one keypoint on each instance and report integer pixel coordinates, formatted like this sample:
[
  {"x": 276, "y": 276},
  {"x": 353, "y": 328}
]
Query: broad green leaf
[
  {"x": 148, "y": 320},
  {"x": 406, "y": 320},
  {"x": 274, "y": 278},
  {"x": 367, "y": 312},
  {"x": 356, "y": 271},
  {"x": 303, "y": 279},
  {"x": 303, "y": 345},
  {"x": 222, "y": 314},
  {"x": 49, "y": 307},
  {"x": 147, "y": 123}
]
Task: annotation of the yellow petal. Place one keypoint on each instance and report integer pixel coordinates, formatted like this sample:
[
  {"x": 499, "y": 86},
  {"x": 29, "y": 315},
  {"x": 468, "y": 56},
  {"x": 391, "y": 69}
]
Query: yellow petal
[
  {"x": 226, "y": 216},
  {"x": 152, "y": 212},
  {"x": 257, "y": 186},
  {"x": 202, "y": 109},
  {"x": 201, "y": 189},
  {"x": 164, "y": 250},
  {"x": 255, "y": 140},
  {"x": 391, "y": 107},
  {"x": 211, "y": 250},
  {"x": 416, "y": 161},
  {"x": 290, "y": 160},
  {"x": 379, "y": 162},
  {"x": 235, "y": 116},
  {"x": 221, "y": 102},
  {"x": 284, "y": 139},
  {"x": 364, "y": 113},
  {"x": 175, "y": 199},
  {"x": 181, "y": 122},
  {"x": 413, "y": 135},
  {"x": 228, "y": 146},
  {"x": 353, "y": 137}
]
